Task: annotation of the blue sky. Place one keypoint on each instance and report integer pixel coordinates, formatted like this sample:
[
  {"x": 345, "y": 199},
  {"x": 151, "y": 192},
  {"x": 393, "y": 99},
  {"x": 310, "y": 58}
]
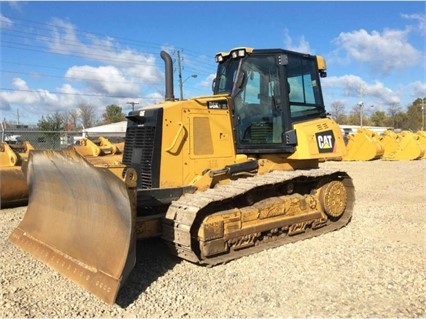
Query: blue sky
[{"x": 58, "y": 55}]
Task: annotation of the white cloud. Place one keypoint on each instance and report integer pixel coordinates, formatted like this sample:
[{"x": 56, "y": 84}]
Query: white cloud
[
  {"x": 32, "y": 98},
  {"x": 104, "y": 80},
  {"x": 207, "y": 82},
  {"x": 16, "y": 5},
  {"x": 5, "y": 22},
  {"x": 418, "y": 88},
  {"x": 383, "y": 52},
  {"x": 120, "y": 74},
  {"x": 137, "y": 67},
  {"x": 4, "y": 105},
  {"x": 421, "y": 21},
  {"x": 301, "y": 46},
  {"x": 20, "y": 84},
  {"x": 123, "y": 73},
  {"x": 353, "y": 86}
]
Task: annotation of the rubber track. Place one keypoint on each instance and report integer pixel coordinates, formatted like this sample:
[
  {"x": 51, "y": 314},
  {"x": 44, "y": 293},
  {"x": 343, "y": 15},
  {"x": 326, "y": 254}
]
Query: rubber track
[{"x": 183, "y": 212}]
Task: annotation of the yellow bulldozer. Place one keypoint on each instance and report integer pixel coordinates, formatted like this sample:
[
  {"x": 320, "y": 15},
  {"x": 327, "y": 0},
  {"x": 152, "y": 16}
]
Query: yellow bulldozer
[{"x": 218, "y": 177}]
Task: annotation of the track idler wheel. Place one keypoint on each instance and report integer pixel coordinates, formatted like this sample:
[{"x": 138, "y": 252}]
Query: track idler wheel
[{"x": 333, "y": 198}]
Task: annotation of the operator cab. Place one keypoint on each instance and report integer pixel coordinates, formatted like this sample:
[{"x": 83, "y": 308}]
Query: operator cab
[{"x": 270, "y": 90}]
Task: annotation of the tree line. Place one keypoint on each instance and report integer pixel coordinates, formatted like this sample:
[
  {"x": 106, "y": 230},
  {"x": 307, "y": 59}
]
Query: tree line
[
  {"x": 412, "y": 119},
  {"x": 83, "y": 117}
]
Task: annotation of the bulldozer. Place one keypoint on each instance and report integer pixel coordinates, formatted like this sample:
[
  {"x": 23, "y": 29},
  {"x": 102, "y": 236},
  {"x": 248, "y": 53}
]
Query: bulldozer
[{"x": 216, "y": 177}]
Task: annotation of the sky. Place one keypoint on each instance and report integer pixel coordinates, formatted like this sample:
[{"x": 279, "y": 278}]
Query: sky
[{"x": 56, "y": 56}]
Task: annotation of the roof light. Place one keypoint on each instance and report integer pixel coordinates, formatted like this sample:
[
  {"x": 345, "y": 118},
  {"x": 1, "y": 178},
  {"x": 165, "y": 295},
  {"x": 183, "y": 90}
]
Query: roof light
[
  {"x": 219, "y": 58},
  {"x": 239, "y": 53},
  {"x": 235, "y": 53}
]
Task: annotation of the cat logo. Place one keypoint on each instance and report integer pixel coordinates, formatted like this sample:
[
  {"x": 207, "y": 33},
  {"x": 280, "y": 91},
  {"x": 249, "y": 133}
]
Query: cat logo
[{"x": 325, "y": 141}]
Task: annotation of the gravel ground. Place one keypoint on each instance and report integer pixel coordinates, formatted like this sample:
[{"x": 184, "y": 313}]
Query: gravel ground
[{"x": 374, "y": 267}]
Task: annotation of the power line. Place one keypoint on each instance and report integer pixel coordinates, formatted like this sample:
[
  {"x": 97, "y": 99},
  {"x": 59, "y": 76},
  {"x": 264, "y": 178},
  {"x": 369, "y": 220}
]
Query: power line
[
  {"x": 18, "y": 39},
  {"x": 81, "y": 49},
  {"x": 30, "y": 35},
  {"x": 43, "y": 26},
  {"x": 97, "y": 57}
]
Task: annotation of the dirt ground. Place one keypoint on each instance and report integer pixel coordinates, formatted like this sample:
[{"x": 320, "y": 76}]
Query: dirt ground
[{"x": 373, "y": 267}]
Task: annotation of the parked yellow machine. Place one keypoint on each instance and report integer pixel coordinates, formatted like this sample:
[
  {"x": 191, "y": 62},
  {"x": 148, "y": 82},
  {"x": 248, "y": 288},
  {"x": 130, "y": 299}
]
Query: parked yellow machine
[
  {"x": 422, "y": 141},
  {"x": 102, "y": 146},
  {"x": 13, "y": 184},
  {"x": 14, "y": 189},
  {"x": 402, "y": 146},
  {"x": 217, "y": 177},
  {"x": 101, "y": 153},
  {"x": 364, "y": 145}
]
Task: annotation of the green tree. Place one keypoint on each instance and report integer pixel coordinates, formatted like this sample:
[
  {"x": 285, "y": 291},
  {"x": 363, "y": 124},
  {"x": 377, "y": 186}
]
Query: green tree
[
  {"x": 378, "y": 118},
  {"x": 52, "y": 124},
  {"x": 113, "y": 114},
  {"x": 401, "y": 121},
  {"x": 414, "y": 115}
]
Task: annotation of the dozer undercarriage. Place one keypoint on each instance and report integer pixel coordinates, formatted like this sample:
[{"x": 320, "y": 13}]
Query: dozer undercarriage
[{"x": 252, "y": 214}]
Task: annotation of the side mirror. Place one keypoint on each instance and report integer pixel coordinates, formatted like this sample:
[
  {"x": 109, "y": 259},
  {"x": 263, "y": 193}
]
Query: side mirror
[{"x": 241, "y": 79}]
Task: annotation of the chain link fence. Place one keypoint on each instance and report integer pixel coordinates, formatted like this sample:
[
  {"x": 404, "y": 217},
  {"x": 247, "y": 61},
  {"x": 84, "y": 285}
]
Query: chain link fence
[{"x": 55, "y": 140}]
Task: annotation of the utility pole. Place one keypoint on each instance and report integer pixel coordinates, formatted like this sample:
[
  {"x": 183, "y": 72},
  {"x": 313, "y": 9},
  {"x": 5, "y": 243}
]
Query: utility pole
[
  {"x": 133, "y": 104},
  {"x": 181, "y": 82},
  {"x": 423, "y": 114},
  {"x": 361, "y": 104},
  {"x": 180, "y": 76}
]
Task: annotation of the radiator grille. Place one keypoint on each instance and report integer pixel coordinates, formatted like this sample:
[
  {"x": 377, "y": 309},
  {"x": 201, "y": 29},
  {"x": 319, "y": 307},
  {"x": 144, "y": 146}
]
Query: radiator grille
[{"x": 139, "y": 153}]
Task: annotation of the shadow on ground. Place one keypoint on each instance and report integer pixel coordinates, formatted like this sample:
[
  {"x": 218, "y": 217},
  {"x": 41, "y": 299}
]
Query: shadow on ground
[{"x": 153, "y": 260}]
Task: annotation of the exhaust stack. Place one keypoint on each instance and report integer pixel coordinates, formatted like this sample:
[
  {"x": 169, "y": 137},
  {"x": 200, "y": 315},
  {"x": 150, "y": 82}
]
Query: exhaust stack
[{"x": 169, "y": 75}]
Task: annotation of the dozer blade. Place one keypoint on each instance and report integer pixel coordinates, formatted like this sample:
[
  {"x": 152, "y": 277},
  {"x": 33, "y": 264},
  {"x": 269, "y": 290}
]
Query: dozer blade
[{"x": 79, "y": 221}]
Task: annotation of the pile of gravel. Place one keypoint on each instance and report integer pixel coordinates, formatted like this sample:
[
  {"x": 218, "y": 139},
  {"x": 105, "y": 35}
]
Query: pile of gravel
[{"x": 374, "y": 267}]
